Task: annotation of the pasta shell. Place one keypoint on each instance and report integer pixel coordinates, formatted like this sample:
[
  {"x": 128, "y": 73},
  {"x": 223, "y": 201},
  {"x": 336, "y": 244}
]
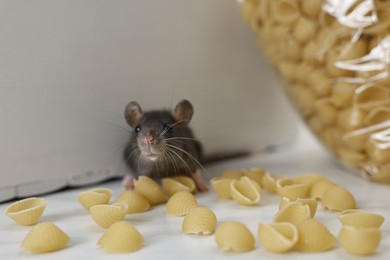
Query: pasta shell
[
  {"x": 173, "y": 185},
  {"x": 105, "y": 215},
  {"x": 136, "y": 203},
  {"x": 233, "y": 236},
  {"x": 150, "y": 190},
  {"x": 199, "y": 221},
  {"x": 181, "y": 203},
  {"x": 245, "y": 191},
  {"x": 288, "y": 188},
  {"x": 231, "y": 175},
  {"x": 360, "y": 218},
  {"x": 121, "y": 237},
  {"x": 269, "y": 183},
  {"x": 278, "y": 237},
  {"x": 255, "y": 174},
  {"x": 293, "y": 213},
  {"x": 94, "y": 197},
  {"x": 339, "y": 199},
  {"x": 45, "y": 237},
  {"x": 26, "y": 212},
  {"x": 318, "y": 188},
  {"x": 310, "y": 202},
  {"x": 309, "y": 178},
  {"x": 359, "y": 241},
  {"x": 314, "y": 237},
  {"x": 221, "y": 186}
]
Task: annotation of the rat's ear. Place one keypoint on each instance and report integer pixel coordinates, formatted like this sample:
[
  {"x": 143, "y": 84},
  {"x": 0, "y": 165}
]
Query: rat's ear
[
  {"x": 183, "y": 112},
  {"x": 133, "y": 113}
]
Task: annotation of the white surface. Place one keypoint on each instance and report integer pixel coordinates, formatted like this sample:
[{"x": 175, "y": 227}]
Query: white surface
[
  {"x": 162, "y": 233},
  {"x": 68, "y": 68}
]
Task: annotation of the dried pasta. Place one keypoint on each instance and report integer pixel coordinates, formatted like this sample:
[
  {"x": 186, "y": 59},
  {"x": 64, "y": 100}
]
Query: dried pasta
[
  {"x": 309, "y": 202},
  {"x": 94, "y": 197},
  {"x": 278, "y": 237},
  {"x": 331, "y": 59},
  {"x": 105, "y": 215},
  {"x": 339, "y": 199},
  {"x": 269, "y": 183},
  {"x": 181, "y": 203},
  {"x": 359, "y": 241},
  {"x": 245, "y": 191},
  {"x": 26, "y": 212},
  {"x": 150, "y": 190},
  {"x": 294, "y": 213},
  {"x": 314, "y": 237},
  {"x": 221, "y": 186},
  {"x": 290, "y": 189},
  {"x": 136, "y": 203},
  {"x": 233, "y": 236},
  {"x": 45, "y": 237},
  {"x": 121, "y": 237},
  {"x": 199, "y": 221},
  {"x": 360, "y": 218},
  {"x": 173, "y": 185}
]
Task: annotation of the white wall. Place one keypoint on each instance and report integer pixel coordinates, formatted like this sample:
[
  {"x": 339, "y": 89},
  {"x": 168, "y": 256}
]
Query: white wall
[{"x": 68, "y": 68}]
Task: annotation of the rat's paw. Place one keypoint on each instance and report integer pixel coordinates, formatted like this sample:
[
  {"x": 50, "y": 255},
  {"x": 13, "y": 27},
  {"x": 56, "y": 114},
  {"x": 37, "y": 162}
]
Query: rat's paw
[
  {"x": 199, "y": 182},
  {"x": 128, "y": 183}
]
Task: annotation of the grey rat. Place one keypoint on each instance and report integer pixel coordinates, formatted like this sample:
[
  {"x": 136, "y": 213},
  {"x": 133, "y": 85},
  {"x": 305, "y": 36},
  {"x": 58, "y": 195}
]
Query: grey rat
[{"x": 162, "y": 144}]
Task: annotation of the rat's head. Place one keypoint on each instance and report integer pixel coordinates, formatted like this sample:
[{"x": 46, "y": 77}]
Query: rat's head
[{"x": 154, "y": 127}]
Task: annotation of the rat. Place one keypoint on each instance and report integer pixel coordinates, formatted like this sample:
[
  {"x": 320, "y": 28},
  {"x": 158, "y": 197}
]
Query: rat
[{"x": 162, "y": 144}]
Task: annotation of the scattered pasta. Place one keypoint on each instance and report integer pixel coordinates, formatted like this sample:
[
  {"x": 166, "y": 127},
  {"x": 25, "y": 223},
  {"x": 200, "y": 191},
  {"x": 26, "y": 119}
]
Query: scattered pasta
[
  {"x": 173, "y": 185},
  {"x": 105, "y": 215},
  {"x": 233, "y": 236},
  {"x": 360, "y": 218},
  {"x": 359, "y": 241},
  {"x": 339, "y": 199},
  {"x": 221, "y": 186},
  {"x": 199, "y": 221},
  {"x": 314, "y": 237},
  {"x": 136, "y": 203},
  {"x": 278, "y": 237},
  {"x": 26, "y": 212},
  {"x": 181, "y": 203},
  {"x": 150, "y": 190},
  {"x": 45, "y": 237},
  {"x": 294, "y": 213},
  {"x": 94, "y": 197},
  {"x": 245, "y": 191},
  {"x": 290, "y": 189},
  {"x": 121, "y": 237}
]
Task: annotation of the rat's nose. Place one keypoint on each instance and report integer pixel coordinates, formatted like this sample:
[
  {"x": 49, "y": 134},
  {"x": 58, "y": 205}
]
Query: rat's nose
[{"x": 149, "y": 139}]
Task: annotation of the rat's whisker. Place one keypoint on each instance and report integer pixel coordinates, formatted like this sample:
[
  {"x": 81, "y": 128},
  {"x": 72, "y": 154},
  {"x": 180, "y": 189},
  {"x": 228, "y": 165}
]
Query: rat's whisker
[{"x": 179, "y": 157}]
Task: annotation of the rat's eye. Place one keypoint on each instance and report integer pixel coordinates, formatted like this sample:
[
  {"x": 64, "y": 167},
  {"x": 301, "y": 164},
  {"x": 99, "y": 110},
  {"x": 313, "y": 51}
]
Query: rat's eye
[
  {"x": 167, "y": 126},
  {"x": 137, "y": 129}
]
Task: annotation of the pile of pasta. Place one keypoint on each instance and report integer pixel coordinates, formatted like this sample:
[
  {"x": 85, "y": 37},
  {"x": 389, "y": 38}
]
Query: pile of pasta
[
  {"x": 333, "y": 62},
  {"x": 294, "y": 226}
]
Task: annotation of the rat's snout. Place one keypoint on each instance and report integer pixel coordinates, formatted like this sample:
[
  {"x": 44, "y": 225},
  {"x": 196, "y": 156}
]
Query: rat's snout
[{"x": 149, "y": 139}]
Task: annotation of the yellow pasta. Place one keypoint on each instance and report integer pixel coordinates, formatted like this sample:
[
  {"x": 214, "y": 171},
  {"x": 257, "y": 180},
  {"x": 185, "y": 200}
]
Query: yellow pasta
[
  {"x": 319, "y": 188},
  {"x": 304, "y": 29},
  {"x": 45, "y": 237},
  {"x": 26, "y": 212},
  {"x": 181, "y": 203},
  {"x": 245, "y": 191},
  {"x": 312, "y": 203},
  {"x": 311, "y": 8},
  {"x": 255, "y": 174},
  {"x": 314, "y": 237},
  {"x": 105, "y": 215},
  {"x": 278, "y": 237},
  {"x": 269, "y": 182},
  {"x": 294, "y": 213},
  {"x": 231, "y": 175},
  {"x": 359, "y": 218},
  {"x": 285, "y": 11},
  {"x": 339, "y": 199},
  {"x": 94, "y": 197},
  {"x": 342, "y": 94},
  {"x": 121, "y": 237},
  {"x": 136, "y": 203},
  {"x": 288, "y": 188},
  {"x": 326, "y": 112},
  {"x": 221, "y": 186},
  {"x": 199, "y": 221},
  {"x": 173, "y": 185},
  {"x": 150, "y": 190},
  {"x": 233, "y": 236},
  {"x": 359, "y": 241}
]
